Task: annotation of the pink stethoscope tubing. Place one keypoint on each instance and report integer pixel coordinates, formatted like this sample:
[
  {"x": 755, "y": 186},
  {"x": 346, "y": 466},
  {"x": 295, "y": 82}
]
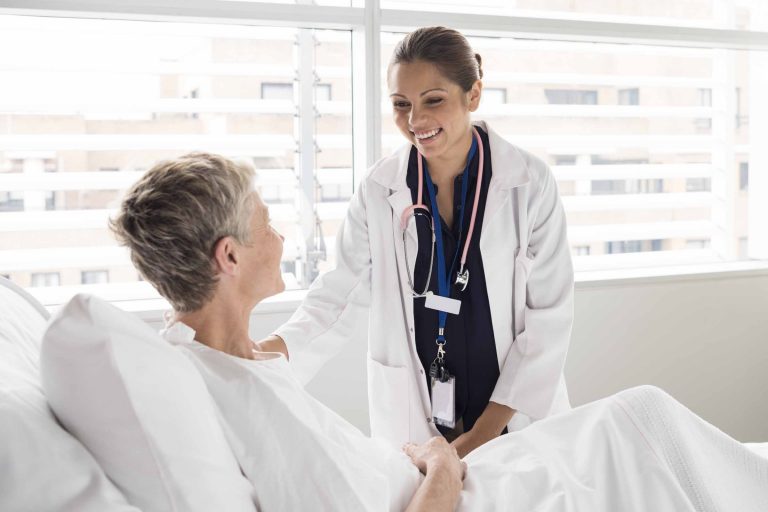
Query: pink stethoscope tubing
[{"x": 410, "y": 211}]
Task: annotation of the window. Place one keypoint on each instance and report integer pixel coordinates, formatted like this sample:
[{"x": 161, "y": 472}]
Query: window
[
  {"x": 11, "y": 202},
  {"x": 323, "y": 92},
  {"x": 581, "y": 250},
  {"x": 629, "y": 96},
  {"x": 570, "y": 97},
  {"x": 701, "y": 243},
  {"x": 698, "y": 185},
  {"x": 40, "y": 279},
  {"x": 274, "y": 91},
  {"x": 633, "y": 181},
  {"x": 705, "y": 100},
  {"x": 625, "y": 246},
  {"x": 494, "y": 95},
  {"x": 743, "y": 175},
  {"x": 94, "y": 276},
  {"x": 238, "y": 90}
]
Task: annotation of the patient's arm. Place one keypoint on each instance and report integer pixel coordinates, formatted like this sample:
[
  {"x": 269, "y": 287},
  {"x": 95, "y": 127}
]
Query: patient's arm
[{"x": 444, "y": 472}]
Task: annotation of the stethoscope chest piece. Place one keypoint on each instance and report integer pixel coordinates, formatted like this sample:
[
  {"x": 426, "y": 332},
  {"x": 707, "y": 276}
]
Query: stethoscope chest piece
[{"x": 462, "y": 279}]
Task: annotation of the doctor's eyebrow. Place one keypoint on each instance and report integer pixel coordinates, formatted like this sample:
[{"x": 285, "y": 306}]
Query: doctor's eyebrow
[{"x": 422, "y": 94}]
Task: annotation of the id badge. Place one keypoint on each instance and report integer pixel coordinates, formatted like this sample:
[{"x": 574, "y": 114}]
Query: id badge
[
  {"x": 443, "y": 404},
  {"x": 441, "y": 303}
]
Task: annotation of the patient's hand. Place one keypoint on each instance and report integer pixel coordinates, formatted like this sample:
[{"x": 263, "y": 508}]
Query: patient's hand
[
  {"x": 273, "y": 343},
  {"x": 436, "y": 453},
  {"x": 440, "y": 490}
]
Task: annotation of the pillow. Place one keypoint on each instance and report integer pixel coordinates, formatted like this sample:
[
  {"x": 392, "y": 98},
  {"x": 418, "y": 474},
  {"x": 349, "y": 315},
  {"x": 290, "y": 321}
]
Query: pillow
[
  {"x": 45, "y": 469},
  {"x": 141, "y": 408}
]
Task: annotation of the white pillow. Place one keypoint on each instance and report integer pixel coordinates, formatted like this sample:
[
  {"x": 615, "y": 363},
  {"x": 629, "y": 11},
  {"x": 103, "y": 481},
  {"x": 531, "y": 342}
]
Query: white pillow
[
  {"x": 141, "y": 408},
  {"x": 44, "y": 468}
]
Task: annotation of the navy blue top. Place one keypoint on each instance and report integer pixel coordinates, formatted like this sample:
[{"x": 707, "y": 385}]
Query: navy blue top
[{"x": 471, "y": 347}]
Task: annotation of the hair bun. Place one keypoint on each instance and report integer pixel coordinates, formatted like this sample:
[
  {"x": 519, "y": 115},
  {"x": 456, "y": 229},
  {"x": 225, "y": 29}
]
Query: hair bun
[{"x": 479, "y": 60}]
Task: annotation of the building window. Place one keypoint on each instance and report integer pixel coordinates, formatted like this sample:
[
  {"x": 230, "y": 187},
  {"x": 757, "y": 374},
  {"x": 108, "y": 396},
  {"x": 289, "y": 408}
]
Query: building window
[
  {"x": 629, "y": 96},
  {"x": 11, "y": 201},
  {"x": 605, "y": 187},
  {"x": 565, "y": 160},
  {"x": 624, "y": 246},
  {"x": 94, "y": 276},
  {"x": 699, "y": 243},
  {"x": 581, "y": 250},
  {"x": 705, "y": 100},
  {"x": 323, "y": 92},
  {"x": 494, "y": 95},
  {"x": 744, "y": 176},
  {"x": 277, "y": 91},
  {"x": 698, "y": 184},
  {"x": 570, "y": 97},
  {"x": 40, "y": 279}
]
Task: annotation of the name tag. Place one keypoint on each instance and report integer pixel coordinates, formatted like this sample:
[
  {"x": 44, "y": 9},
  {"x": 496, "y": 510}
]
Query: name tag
[
  {"x": 443, "y": 402},
  {"x": 441, "y": 303}
]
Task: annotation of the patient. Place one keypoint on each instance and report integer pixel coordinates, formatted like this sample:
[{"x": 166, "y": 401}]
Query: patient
[{"x": 200, "y": 233}]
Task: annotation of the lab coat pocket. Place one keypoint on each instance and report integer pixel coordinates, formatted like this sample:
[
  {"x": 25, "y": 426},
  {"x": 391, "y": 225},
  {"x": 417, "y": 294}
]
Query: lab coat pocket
[
  {"x": 520, "y": 290},
  {"x": 390, "y": 402}
]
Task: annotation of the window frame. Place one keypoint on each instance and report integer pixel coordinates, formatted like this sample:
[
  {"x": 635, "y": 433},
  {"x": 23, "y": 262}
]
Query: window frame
[{"x": 367, "y": 21}]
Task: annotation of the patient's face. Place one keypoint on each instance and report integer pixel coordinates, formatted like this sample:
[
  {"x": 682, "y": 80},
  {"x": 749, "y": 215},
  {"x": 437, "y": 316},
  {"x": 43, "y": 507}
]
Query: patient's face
[{"x": 261, "y": 261}]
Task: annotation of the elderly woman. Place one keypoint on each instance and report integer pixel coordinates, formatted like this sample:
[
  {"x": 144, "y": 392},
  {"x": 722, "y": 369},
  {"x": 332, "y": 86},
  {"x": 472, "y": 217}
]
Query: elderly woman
[{"x": 199, "y": 232}]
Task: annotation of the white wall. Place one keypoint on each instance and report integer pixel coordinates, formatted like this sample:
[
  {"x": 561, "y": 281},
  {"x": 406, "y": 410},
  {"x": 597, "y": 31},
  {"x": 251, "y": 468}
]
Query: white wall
[{"x": 704, "y": 339}]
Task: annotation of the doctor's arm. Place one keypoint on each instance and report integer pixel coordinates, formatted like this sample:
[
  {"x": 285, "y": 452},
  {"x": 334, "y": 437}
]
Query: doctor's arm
[
  {"x": 327, "y": 316},
  {"x": 532, "y": 370}
]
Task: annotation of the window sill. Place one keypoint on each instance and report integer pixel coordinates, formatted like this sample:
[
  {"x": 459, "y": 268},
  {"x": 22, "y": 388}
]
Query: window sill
[{"x": 151, "y": 310}]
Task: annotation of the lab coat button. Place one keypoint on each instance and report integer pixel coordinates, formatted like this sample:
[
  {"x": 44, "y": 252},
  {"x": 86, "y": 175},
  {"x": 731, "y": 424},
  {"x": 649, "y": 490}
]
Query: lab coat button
[{"x": 429, "y": 420}]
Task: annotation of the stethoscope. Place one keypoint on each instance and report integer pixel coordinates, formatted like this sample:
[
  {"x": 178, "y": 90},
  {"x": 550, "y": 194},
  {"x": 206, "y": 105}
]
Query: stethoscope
[{"x": 420, "y": 209}]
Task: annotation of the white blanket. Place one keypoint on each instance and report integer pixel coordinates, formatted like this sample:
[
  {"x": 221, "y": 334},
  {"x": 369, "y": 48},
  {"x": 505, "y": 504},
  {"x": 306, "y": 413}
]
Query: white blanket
[{"x": 639, "y": 450}]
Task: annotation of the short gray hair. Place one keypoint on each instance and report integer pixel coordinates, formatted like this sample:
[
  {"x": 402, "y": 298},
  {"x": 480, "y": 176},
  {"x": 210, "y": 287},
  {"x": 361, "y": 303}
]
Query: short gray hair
[{"x": 172, "y": 218}]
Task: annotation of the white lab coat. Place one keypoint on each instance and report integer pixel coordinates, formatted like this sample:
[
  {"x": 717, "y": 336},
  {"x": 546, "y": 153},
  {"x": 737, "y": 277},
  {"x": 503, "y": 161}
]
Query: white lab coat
[{"x": 530, "y": 293}]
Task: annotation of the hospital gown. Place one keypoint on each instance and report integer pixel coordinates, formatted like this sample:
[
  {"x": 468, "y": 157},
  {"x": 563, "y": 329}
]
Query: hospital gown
[{"x": 639, "y": 450}]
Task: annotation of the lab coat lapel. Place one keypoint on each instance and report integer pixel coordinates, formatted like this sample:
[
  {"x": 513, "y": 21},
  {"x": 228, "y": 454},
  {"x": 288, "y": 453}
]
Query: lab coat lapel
[{"x": 500, "y": 236}]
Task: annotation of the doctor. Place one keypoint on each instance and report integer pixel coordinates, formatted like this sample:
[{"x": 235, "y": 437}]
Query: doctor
[{"x": 457, "y": 245}]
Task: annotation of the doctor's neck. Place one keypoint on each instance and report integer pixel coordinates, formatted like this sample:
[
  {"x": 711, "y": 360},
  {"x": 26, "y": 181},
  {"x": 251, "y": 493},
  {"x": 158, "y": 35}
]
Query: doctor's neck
[{"x": 444, "y": 168}]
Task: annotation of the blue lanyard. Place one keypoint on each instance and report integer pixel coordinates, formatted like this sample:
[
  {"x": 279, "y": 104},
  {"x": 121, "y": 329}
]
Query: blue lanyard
[{"x": 443, "y": 278}]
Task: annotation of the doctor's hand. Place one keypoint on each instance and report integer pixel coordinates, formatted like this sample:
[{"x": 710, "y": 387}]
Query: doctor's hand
[
  {"x": 273, "y": 343},
  {"x": 488, "y": 426}
]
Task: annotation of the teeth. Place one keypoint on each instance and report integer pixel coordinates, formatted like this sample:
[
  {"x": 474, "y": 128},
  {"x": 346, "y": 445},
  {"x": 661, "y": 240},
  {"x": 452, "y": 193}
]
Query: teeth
[{"x": 426, "y": 135}]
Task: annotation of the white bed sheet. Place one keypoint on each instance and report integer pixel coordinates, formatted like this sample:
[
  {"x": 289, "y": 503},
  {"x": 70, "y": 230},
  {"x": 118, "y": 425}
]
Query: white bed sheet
[{"x": 639, "y": 450}]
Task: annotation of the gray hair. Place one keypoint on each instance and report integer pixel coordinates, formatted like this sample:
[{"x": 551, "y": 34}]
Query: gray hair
[{"x": 172, "y": 218}]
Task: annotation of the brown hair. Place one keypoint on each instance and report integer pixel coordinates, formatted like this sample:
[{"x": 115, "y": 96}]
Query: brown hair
[
  {"x": 171, "y": 219},
  {"x": 445, "y": 48}
]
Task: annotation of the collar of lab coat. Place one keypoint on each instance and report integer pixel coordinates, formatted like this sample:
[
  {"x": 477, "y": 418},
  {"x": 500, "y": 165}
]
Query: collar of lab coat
[{"x": 509, "y": 168}]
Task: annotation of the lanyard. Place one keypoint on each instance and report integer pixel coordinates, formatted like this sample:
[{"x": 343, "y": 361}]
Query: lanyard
[{"x": 443, "y": 277}]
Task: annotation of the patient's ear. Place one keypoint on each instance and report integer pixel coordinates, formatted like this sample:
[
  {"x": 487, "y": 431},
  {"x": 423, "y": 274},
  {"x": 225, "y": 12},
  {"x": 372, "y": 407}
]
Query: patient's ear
[{"x": 225, "y": 255}]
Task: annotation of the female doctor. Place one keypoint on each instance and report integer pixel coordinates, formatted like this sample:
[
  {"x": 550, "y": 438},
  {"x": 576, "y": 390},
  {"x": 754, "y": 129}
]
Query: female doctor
[{"x": 457, "y": 245}]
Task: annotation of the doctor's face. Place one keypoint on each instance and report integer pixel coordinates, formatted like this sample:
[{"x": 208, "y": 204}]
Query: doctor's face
[{"x": 431, "y": 111}]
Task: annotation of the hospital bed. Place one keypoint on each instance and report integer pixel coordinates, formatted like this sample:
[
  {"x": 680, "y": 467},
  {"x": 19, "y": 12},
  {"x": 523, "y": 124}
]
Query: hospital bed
[{"x": 46, "y": 468}]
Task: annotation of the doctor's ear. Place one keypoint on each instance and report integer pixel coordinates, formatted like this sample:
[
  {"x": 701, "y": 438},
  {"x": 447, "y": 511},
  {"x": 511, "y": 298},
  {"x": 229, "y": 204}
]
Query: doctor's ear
[
  {"x": 225, "y": 255},
  {"x": 474, "y": 95}
]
